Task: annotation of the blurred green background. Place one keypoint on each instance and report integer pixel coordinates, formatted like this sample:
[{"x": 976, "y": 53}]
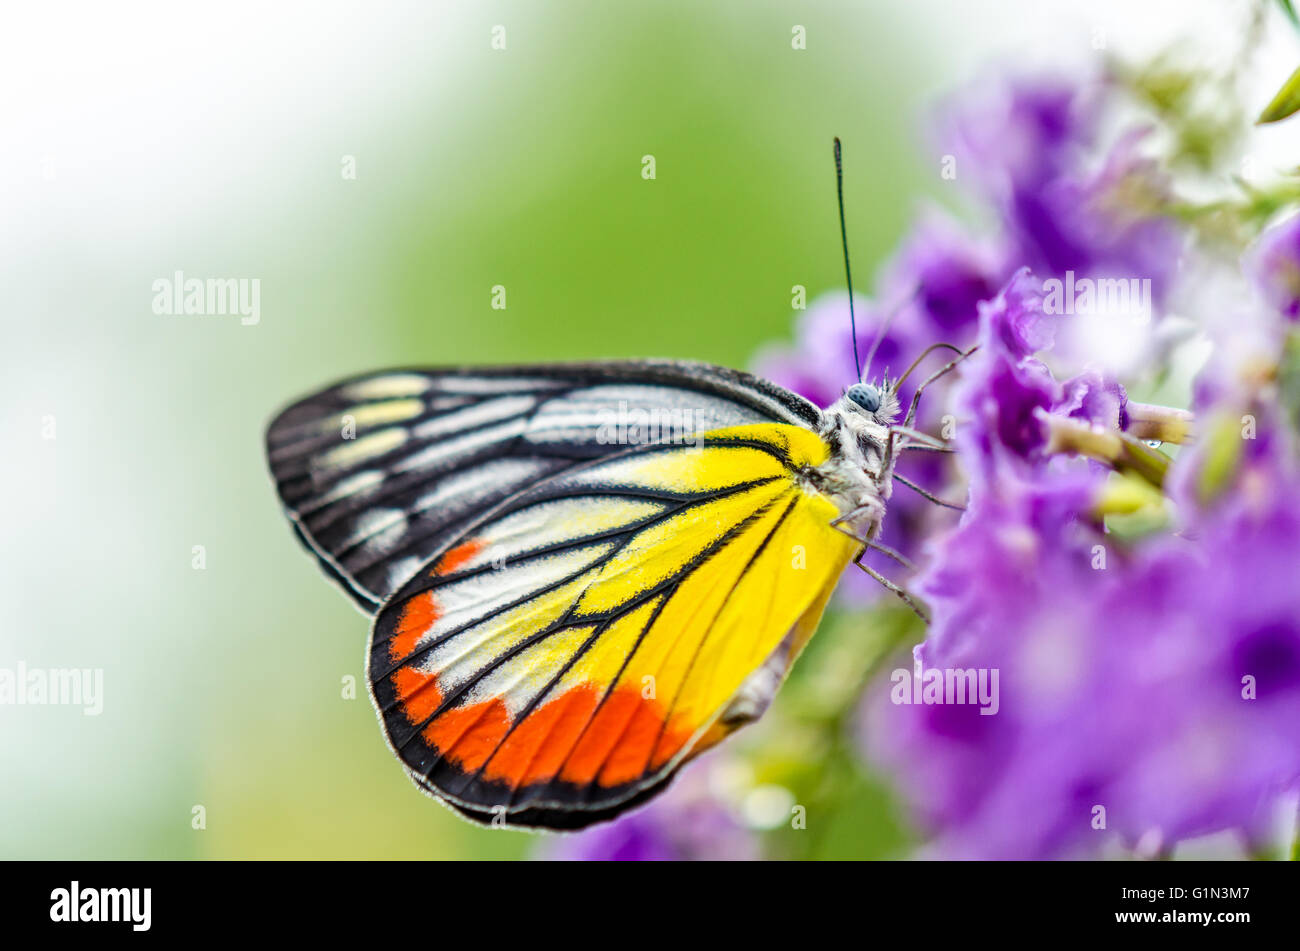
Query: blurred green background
[{"x": 151, "y": 141}]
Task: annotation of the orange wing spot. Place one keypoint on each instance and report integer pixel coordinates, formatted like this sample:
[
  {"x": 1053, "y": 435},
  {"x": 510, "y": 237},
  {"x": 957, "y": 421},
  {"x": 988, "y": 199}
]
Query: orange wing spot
[
  {"x": 603, "y": 733},
  {"x": 641, "y": 740},
  {"x": 468, "y": 735},
  {"x": 537, "y": 747},
  {"x": 417, "y": 692},
  {"x": 418, "y": 616},
  {"x": 455, "y": 557},
  {"x": 624, "y": 740},
  {"x": 630, "y": 756}
]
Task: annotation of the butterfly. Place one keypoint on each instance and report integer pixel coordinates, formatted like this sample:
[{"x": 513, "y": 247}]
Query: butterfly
[{"x": 581, "y": 576}]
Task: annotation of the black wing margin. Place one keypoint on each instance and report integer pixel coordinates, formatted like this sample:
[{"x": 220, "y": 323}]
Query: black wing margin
[{"x": 379, "y": 473}]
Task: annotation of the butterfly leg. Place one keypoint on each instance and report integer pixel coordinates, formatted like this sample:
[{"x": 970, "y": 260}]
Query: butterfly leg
[
  {"x": 893, "y": 553},
  {"x": 918, "y": 437},
  {"x": 884, "y": 549},
  {"x": 911, "y": 602},
  {"x": 868, "y": 543},
  {"x": 926, "y": 494},
  {"x": 888, "y": 465}
]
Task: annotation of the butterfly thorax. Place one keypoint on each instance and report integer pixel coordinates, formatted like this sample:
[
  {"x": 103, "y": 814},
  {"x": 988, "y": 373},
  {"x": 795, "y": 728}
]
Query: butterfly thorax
[{"x": 857, "y": 474}]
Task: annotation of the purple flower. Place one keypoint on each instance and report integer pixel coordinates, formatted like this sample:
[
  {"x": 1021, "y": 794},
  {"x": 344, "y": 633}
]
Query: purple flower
[
  {"x": 1147, "y": 690},
  {"x": 1002, "y": 388},
  {"x": 1103, "y": 225},
  {"x": 1148, "y": 697},
  {"x": 1274, "y": 266},
  {"x": 1031, "y": 147},
  {"x": 1015, "y": 136},
  {"x": 685, "y": 823},
  {"x": 1220, "y": 669},
  {"x": 1009, "y": 394},
  {"x": 1014, "y": 324},
  {"x": 1096, "y": 399},
  {"x": 1028, "y": 144},
  {"x": 943, "y": 274},
  {"x": 1149, "y": 686}
]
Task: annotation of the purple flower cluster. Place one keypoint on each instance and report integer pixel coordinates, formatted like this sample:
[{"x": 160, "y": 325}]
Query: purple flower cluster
[
  {"x": 1030, "y": 145},
  {"x": 1027, "y": 149},
  {"x": 1148, "y": 690},
  {"x": 1274, "y": 265}
]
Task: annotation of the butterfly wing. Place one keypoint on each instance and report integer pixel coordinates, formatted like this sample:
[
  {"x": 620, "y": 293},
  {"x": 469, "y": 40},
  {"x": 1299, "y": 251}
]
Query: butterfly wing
[
  {"x": 569, "y": 650},
  {"x": 380, "y": 473}
]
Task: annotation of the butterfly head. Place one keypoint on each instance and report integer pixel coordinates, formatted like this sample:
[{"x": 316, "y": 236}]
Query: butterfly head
[
  {"x": 857, "y": 473},
  {"x": 866, "y": 395},
  {"x": 878, "y": 402},
  {"x": 857, "y": 426}
]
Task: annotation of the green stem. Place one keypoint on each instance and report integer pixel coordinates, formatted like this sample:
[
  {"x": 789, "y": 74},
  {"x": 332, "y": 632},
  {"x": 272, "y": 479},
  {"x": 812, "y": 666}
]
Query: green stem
[
  {"x": 1164, "y": 423},
  {"x": 1119, "y": 450}
]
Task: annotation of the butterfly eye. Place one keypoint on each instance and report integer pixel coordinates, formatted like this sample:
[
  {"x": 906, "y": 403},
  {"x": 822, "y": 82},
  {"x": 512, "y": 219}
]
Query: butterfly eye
[{"x": 865, "y": 395}]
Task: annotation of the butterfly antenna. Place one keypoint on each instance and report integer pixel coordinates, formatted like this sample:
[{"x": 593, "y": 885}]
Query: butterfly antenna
[
  {"x": 924, "y": 353},
  {"x": 942, "y": 371},
  {"x": 844, "y": 238}
]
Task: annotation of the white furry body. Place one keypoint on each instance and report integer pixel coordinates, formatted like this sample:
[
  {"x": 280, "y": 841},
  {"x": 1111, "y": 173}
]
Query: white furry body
[{"x": 858, "y": 474}]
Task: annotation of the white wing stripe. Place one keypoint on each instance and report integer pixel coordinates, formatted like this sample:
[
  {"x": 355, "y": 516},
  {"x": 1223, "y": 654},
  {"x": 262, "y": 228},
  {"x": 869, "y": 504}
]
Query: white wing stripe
[{"x": 438, "y": 453}]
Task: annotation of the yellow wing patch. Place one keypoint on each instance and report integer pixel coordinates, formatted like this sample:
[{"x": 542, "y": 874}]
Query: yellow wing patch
[{"x": 576, "y": 646}]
